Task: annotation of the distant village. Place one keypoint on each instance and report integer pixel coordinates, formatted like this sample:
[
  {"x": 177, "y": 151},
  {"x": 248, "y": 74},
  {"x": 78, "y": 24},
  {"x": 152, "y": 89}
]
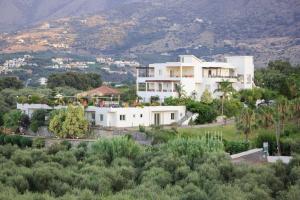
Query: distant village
[{"x": 107, "y": 64}]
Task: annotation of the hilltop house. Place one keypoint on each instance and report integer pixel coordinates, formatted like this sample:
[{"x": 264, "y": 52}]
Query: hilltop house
[{"x": 194, "y": 76}]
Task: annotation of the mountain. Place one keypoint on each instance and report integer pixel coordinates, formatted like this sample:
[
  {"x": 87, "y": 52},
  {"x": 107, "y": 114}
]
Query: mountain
[{"x": 267, "y": 29}]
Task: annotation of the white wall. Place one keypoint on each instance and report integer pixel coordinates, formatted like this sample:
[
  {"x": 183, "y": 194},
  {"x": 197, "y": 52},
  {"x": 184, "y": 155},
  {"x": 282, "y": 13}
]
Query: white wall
[
  {"x": 245, "y": 67},
  {"x": 135, "y": 116}
]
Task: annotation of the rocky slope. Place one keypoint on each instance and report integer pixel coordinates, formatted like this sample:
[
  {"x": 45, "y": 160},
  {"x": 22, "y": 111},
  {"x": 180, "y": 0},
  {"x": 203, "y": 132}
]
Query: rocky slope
[{"x": 267, "y": 29}]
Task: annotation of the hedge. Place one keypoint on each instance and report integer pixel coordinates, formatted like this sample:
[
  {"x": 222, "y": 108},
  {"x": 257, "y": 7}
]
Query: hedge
[
  {"x": 234, "y": 147},
  {"x": 22, "y": 142}
]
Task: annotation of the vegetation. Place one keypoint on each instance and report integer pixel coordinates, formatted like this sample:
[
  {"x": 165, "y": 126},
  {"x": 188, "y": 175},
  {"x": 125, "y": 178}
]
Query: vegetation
[
  {"x": 69, "y": 123},
  {"x": 225, "y": 88},
  {"x": 10, "y": 82},
  {"x": 76, "y": 80},
  {"x": 38, "y": 119},
  {"x": 121, "y": 169},
  {"x": 280, "y": 76},
  {"x": 246, "y": 122}
]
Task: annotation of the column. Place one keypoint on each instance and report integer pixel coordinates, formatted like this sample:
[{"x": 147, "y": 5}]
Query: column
[
  {"x": 180, "y": 71},
  {"x": 162, "y": 86},
  {"x": 172, "y": 86},
  {"x": 146, "y": 87}
]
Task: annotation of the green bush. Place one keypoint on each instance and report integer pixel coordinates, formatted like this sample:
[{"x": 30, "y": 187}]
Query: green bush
[
  {"x": 142, "y": 128},
  {"x": 267, "y": 137},
  {"x": 38, "y": 143},
  {"x": 289, "y": 146},
  {"x": 34, "y": 126},
  {"x": 67, "y": 144},
  {"x": 21, "y": 141},
  {"x": 234, "y": 147},
  {"x": 207, "y": 113}
]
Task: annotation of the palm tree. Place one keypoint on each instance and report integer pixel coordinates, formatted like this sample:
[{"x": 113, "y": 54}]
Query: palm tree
[
  {"x": 281, "y": 114},
  {"x": 246, "y": 122},
  {"x": 179, "y": 89},
  {"x": 265, "y": 116},
  {"x": 225, "y": 87},
  {"x": 296, "y": 110}
]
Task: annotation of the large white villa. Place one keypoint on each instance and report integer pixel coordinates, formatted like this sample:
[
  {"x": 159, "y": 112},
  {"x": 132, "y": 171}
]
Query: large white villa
[{"x": 194, "y": 76}]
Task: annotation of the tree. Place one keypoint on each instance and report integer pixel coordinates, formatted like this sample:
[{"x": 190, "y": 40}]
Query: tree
[
  {"x": 246, "y": 122},
  {"x": 206, "y": 97},
  {"x": 225, "y": 87},
  {"x": 76, "y": 80},
  {"x": 12, "y": 119},
  {"x": 281, "y": 114},
  {"x": 250, "y": 96},
  {"x": 207, "y": 113},
  {"x": 10, "y": 82},
  {"x": 69, "y": 123},
  {"x": 56, "y": 122},
  {"x": 296, "y": 110},
  {"x": 38, "y": 119},
  {"x": 75, "y": 124},
  {"x": 265, "y": 115},
  {"x": 180, "y": 90},
  {"x": 24, "y": 121},
  {"x": 232, "y": 107}
]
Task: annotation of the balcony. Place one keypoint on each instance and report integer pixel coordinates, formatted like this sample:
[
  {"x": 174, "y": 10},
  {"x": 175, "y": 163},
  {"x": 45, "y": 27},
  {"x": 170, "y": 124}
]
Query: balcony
[{"x": 220, "y": 76}]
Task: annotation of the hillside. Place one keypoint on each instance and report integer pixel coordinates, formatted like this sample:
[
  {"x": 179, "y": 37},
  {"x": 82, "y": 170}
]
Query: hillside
[{"x": 267, "y": 29}]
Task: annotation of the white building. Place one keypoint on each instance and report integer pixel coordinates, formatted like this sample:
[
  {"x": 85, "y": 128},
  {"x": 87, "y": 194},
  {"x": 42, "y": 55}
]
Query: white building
[
  {"x": 43, "y": 81},
  {"x": 124, "y": 116},
  {"x": 194, "y": 76}
]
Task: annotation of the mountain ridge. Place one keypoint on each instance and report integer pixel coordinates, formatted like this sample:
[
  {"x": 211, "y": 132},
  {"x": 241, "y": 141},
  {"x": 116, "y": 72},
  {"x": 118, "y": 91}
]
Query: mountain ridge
[{"x": 267, "y": 29}]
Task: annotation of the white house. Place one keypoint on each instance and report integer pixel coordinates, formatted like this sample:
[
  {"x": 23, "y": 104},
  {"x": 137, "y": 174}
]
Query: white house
[
  {"x": 135, "y": 116},
  {"x": 123, "y": 116},
  {"x": 194, "y": 76}
]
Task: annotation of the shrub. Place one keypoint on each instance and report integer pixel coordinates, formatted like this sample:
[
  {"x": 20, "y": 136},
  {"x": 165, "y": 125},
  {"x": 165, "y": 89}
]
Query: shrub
[
  {"x": 38, "y": 143},
  {"x": 21, "y": 157},
  {"x": 16, "y": 140},
  {"x": 234, "y": 147},
  {"x": 83, "y": 145},
  {"x": 207, "y": 113},
  {"x": 67, "y": 144},
  {"x": 289, "y": 146},
  {"x": 116, "y": 147},
  {"x": 34, "y": 126},
  {"x": 267, "y": 137},
  {"x": 25, "y": 142},
  {"x": 142, "y": 128}
]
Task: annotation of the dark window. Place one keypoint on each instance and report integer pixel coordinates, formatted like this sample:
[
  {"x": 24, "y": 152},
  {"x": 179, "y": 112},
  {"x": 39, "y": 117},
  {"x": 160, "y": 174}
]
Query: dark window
[
  {"x": 101, "y": 118},
  {"x": 122, "y": 117},
  {"x": 141, "y": 115},
  {"x": 172, "y": 116}
]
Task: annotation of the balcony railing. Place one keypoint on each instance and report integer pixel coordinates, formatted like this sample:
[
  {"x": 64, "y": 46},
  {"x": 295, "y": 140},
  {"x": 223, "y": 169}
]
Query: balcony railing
[
  {"x": 146, "y": 75},
  {"x": 158, "y": 90},
  {"x": 219, "y": 76},
  {"x": 183, "y": 76}
]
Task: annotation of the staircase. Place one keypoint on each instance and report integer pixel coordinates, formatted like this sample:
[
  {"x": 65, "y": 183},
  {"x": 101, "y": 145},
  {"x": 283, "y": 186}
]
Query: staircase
[{"x": 186, "y": 118}]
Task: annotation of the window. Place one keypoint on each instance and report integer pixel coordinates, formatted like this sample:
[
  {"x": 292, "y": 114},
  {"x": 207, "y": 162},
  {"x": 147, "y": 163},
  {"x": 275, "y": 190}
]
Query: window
[
  {"x": 122, "y": 117},
  {"x": 133, "y": 116},
  {"x": 160, "y": 72},
  {"x": 101, "y": 117},
  {"x": 141, "y": 115},
  {"x": 172, "y": 116}
]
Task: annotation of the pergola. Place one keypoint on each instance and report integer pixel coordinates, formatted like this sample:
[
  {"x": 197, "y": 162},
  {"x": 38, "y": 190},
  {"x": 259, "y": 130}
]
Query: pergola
[{"x": 102, "y": 95}]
